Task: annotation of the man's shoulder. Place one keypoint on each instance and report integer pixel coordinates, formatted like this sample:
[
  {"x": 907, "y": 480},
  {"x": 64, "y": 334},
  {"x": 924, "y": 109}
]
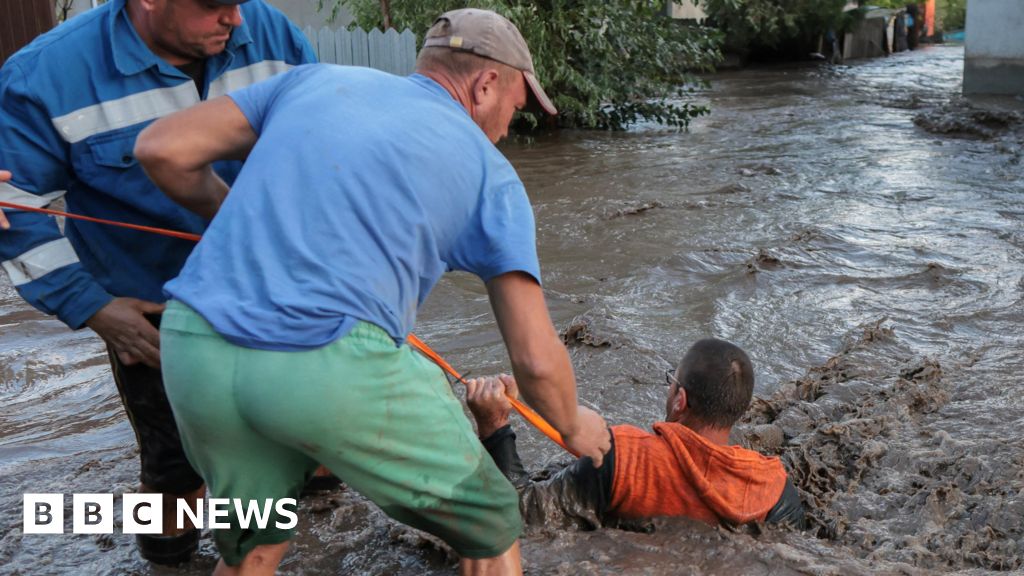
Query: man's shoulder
[
  {"x": 679, "y": 436},
  {"x": 628, "y": 430},
  {"x": 320, "y": 78},
  {"x": 630, "y": 433}
]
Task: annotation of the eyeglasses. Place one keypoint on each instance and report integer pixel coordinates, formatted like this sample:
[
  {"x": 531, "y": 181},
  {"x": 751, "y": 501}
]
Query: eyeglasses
[{"x": 670, "y": 378}]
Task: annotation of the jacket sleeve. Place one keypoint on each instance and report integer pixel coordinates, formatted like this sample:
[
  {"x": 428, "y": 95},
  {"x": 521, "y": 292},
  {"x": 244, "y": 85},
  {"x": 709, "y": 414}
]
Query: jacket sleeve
[
  {"x": 789, "y": 509},
  {"x": 36, "y": 256},
  {"x": 577, "y": 495}
]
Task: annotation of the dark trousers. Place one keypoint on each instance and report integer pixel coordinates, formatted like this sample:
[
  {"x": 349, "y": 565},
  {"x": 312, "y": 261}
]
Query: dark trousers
[{"x": 165, "y": 468}]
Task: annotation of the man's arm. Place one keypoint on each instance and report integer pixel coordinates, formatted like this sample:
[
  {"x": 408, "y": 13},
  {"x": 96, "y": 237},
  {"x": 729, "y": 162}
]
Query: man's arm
[
  {"x": 789, "y": 510},
  {"x": 577, "y": 494},
  {"x": 486, "y": 398},
  {"x": 177, "y": 152},
  {"x": 541, "y": 363}
]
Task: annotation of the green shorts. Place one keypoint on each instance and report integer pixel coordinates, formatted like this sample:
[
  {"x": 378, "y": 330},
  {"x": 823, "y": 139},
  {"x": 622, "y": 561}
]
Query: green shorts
[{"x": 255, "y": 423}]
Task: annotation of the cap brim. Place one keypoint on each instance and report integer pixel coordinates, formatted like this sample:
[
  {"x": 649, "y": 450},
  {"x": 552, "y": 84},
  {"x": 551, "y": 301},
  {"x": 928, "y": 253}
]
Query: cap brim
[{"x": 539, "y": 95}]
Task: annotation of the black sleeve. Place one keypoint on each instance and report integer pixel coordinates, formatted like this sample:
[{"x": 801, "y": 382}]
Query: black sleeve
[
  {"x": 577, "y": 494},
  {"x": 501, "y": 445},
  {"x": 789, "y": 509}
]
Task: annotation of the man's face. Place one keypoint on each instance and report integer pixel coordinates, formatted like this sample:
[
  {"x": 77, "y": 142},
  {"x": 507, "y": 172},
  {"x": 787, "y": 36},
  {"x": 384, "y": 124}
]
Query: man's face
[
  {"x": 189, "y": 30},
  {"x": 495, "y": 119}
]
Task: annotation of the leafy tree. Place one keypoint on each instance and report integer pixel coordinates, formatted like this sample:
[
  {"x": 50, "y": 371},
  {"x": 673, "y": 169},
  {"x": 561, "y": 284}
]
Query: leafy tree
[
  {"x": 885, "y": 3},
  {"x": 606, "y": 64},
  {"x": 953, "y": 14}
]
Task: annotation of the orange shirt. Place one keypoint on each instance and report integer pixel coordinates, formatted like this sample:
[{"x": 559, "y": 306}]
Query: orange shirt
[{"x": 677, "y": 472}]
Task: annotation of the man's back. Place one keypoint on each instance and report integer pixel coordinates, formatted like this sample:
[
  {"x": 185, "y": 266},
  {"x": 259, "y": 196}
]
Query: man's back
[
  {"x": 412, "y": 188},
  {"x": 677, "y": 472}
]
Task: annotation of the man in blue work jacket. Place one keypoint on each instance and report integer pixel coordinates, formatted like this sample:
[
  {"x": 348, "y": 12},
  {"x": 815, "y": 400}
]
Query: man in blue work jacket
[{"x": 73, "y": 102}]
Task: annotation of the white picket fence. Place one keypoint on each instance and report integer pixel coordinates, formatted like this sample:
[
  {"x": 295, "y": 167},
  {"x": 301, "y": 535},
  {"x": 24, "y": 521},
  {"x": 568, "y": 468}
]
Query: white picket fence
[{"x": 388, "y": 51}]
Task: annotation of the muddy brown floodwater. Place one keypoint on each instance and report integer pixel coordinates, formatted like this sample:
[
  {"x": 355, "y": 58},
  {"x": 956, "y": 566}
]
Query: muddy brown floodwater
[{"x": 858, "y": 229}]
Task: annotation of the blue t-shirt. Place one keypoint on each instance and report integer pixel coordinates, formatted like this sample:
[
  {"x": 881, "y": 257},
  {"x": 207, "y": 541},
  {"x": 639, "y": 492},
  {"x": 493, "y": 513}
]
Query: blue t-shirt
[{"x": 361, "y": 191}]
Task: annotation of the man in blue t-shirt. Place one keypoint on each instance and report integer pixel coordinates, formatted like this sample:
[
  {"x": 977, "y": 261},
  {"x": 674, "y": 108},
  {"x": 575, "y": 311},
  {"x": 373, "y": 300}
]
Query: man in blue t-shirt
[{"x": 284, "y": 340}]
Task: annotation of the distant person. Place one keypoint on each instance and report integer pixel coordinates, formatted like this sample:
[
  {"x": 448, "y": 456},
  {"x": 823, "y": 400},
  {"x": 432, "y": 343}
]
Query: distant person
[
  {"x": 835, "y": 55},
  {"x": 285, "y": 339},
  {"x": 685, "y": 468},
  {"x": 900, "y": 33},
  {"x": 73, "y": 102},
  {"x": 913, "y": 23}
]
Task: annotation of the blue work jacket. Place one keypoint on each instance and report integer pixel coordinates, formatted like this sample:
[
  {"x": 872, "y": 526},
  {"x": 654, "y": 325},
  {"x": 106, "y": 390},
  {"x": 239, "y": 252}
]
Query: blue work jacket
[{"x": 73, "y": 102}]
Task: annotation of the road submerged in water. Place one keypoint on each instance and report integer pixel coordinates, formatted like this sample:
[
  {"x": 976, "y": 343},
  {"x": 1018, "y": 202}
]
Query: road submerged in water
[{"x": 859, "y": 230}]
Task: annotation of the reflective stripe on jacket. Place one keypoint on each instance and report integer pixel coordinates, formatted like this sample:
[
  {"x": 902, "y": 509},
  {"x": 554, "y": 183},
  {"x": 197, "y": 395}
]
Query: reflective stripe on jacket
[{"x": 73, "y": 102}]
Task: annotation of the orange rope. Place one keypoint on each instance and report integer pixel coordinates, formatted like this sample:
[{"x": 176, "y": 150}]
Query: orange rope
[
  {"x": 532, "y": 417},
  {"x": 161, "y": 231}
]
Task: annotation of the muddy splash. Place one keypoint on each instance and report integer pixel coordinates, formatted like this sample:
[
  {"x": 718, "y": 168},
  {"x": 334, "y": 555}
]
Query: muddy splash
[
  {"x": 870, "y": 261},
  {"x": 860, "y": 439},
  {"x": 962, "y": 118}
]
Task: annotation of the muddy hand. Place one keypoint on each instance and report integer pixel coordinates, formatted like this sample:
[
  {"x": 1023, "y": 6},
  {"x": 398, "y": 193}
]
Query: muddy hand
[
  {"x": 4, "y": 224},
  {"x": 123, "y": 326},
  {"x": 487, "y": 402},
  {"x": 591, "y": 437}
]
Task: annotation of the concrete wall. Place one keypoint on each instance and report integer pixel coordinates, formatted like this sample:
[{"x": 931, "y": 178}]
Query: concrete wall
[
  {"x": 994, "y": 47},
  {"x": 685, "y": 9},
  {"x": 871, "y": 37}
]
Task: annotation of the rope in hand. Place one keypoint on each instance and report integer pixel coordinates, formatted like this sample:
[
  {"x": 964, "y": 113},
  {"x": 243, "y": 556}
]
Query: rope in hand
[{"x": 532, "y": 417}]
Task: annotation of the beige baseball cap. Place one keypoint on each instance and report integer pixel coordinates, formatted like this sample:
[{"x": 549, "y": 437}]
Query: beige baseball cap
[{"x": 489, "y": 35}]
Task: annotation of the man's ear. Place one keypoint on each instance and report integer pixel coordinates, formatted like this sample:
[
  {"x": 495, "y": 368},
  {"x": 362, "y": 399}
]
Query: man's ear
[
  {"x": 485, "y": 87},
  {"x": 678, "y": 404}
]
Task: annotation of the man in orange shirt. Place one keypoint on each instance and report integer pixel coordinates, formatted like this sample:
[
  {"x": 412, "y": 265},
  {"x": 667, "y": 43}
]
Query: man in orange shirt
[{"x": 685, "y": 468}]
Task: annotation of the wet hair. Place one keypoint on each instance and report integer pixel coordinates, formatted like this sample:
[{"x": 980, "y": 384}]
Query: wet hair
[
  {"x": 462, "y": 64},
  {"x": 719, "y": 382}
]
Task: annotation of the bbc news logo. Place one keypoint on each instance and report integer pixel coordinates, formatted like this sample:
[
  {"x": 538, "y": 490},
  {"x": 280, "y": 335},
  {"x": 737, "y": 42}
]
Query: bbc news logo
[{"x": 143, "y": 513}]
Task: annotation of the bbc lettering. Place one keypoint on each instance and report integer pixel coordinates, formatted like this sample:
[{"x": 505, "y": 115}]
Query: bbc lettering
[{"x": 143, "y": 513}]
